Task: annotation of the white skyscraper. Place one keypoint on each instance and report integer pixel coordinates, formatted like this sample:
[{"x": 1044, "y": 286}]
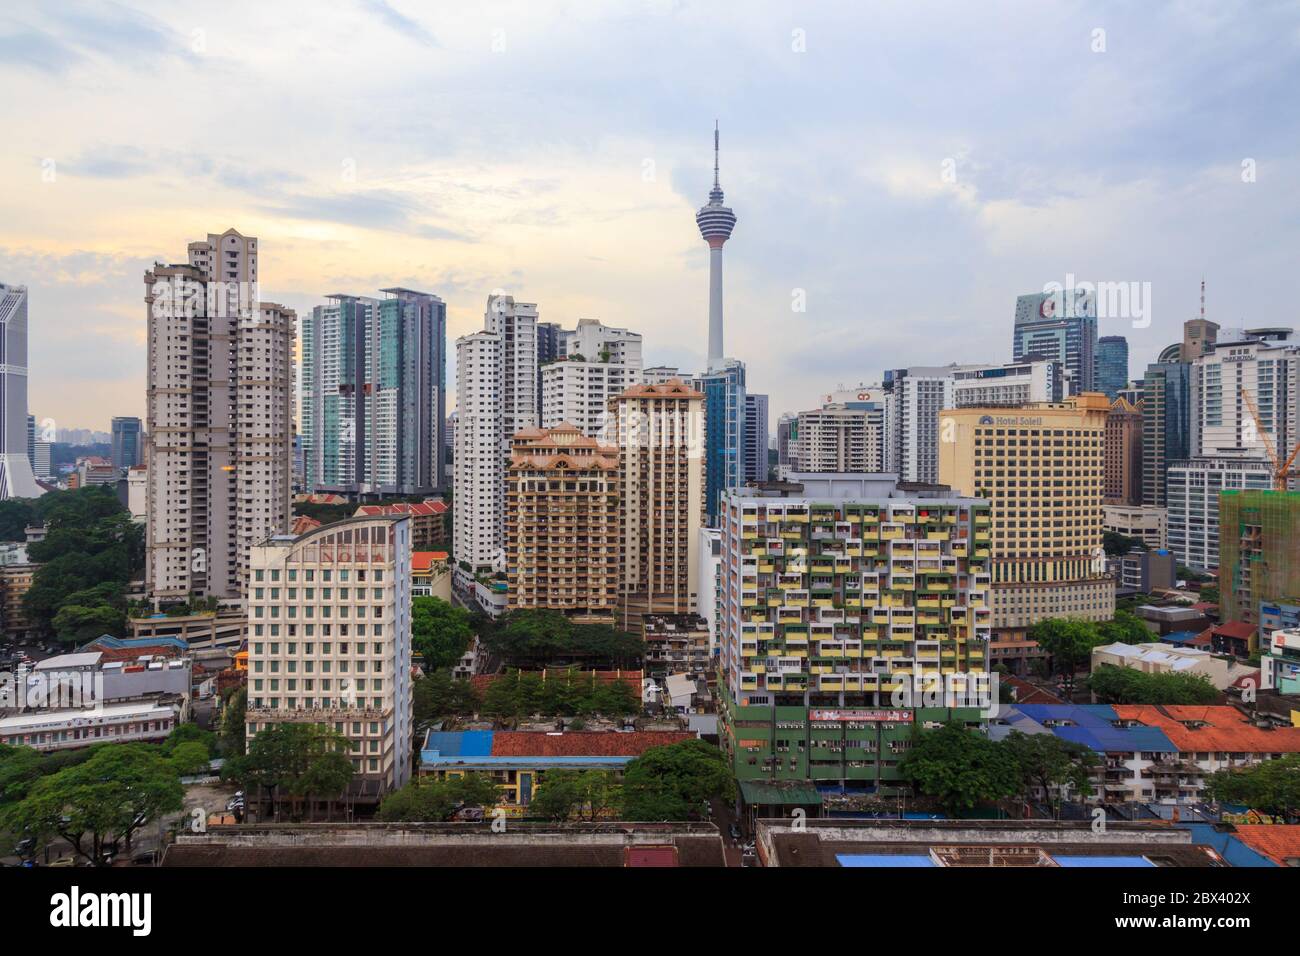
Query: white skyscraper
[
  {"x": 596, "y": 364},
  {"x": 915, "y": 397},
  {"x": 496, "y": 397},
  {"x": 220, "y": 416},
  {"x": 1227, "y": 379},
  {"x": 16, "y": 479}
]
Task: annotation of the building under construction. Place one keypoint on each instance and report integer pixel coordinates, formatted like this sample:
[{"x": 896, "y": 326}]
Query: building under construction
[{"x": 1259, "y": 560}]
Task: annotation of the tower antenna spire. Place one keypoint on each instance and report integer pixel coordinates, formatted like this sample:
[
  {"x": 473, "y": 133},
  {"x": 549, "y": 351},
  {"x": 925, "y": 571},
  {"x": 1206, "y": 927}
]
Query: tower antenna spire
[
  {"x": 1202, "y": 297},
  {"x": 715, "y": 154}
]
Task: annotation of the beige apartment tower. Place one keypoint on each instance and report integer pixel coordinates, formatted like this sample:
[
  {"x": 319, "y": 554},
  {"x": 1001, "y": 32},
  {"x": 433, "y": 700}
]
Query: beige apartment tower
[
  {"x": 841, "y": 439},
  {"x": 659, "y": 431},
  {"x": 220, "y": 418},
  {"x": 562, "y": 523},
  {"x": 329, "y": 642},
  {"x": 1042, "y": 468}
]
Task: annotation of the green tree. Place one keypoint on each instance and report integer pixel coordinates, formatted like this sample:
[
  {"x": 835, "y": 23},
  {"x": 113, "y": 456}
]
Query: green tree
[
  {"x": 581, "y": 794},
  {"x": 294, "y": 760},
  {"x": 1046, "y": 762},
  {"x": 233, "y": 722},
  {"x": 1116, "y": 544},
  {"x": 190, "y": 733},
  {"x": 440, "y": 632},
  {"x": 435, "y": 801},
  {"x": 960, "y": 768},
  {"x": 16, "y": 515},
  {"x": 438, "y": 695},
  {"x": 539, "y": 637},
  {"x": 1124, "y": 628},
  {"x": 674, "y": 782},
  {"x": 1067, "y": 640},
  {"x": 97, "y": 803},
  {"x": 1271, "y": 787},
  {"x": 1110, "y": 684}
]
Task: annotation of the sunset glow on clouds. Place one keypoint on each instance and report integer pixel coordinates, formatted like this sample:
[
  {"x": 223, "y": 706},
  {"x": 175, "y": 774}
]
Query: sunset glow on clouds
[{"x": 559, "y": 151}]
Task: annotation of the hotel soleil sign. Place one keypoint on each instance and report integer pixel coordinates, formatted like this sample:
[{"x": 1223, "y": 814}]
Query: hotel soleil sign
[{"x": 1010, "y": 420}]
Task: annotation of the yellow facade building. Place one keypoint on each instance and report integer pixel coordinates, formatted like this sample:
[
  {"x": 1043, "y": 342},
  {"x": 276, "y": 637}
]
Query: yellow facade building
[{"x": 1043, "y": 468}]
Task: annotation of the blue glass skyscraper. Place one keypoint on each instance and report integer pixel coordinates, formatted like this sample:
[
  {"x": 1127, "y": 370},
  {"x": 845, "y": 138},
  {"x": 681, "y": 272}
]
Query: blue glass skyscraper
[
  {"x": 1112, "y": 364},
  {"x": 724, "y": 431}
]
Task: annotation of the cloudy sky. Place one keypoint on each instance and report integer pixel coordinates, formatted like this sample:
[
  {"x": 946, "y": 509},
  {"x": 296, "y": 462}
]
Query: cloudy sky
[{"x": 905, "y": 169}]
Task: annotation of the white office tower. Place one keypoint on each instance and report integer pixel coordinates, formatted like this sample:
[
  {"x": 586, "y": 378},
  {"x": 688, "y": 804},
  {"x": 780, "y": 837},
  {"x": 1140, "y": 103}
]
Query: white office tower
[
  {"x": 219, "y": 429},
  {"x": 596, "y": 364},
  {"x": 329, "y": 642},
  {"x": 915, "y": 398},
  {"x": 16, "y": 479},
  {"x": 1231, "y": 377},
  {"x": 496, "y": 397},
  {"x": 841, "y": 438}
]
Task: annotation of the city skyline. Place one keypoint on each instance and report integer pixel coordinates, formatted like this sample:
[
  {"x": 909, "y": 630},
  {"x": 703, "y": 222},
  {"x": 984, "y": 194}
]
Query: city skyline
[{"x": 852, "y": 204}]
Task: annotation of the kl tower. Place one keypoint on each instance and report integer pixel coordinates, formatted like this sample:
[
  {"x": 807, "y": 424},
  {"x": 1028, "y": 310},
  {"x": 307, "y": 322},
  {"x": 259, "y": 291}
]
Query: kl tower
[{"x": 716, "y": 222}]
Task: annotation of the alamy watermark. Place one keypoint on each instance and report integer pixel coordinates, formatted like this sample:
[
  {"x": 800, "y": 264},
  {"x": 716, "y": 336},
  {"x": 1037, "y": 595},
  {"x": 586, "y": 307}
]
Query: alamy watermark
[{"x": 1126, "y": 300}]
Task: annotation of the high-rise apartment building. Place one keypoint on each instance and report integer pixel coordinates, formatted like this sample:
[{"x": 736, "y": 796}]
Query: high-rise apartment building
[
  {"x": 329, "y": 642},
  {"x": 563, "y": 543},
  {"x": 841, "y": 438},
  {"x": 787, "y": 439},
  {"x": 496, "y": 397},
  {"x": 1060, "y": 326},
  {"x": 845, "y": 600},
  {"x": 1192, "y": 505},
  {"x": 723, "y": 388},
  {"x": 374, "y": 393},
  {"x": 127, "y": 447},
  {"x": 595, "y": 363},
  {"x": 220, "y": 413},
  {"x": 659, "y": 431},
  {"x": 914, "y": 399},
  {"x": 1166, "y": 425},
  {"x": 16, "y": 478},
  {"x": 1226, "y": 379},
  {"x": 1123, "y": 454},
  {"x": 755, "y": 437},
  {"x": 1042, "y": 469},
  {"x": 548, "y": 350},
  {"x": 1112, "y": 364}
]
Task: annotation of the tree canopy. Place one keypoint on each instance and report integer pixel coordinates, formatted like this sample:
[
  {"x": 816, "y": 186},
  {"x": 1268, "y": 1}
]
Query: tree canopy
[
  {"x": 517, "y": 694},
  {"x": 91, "y": 550},
  {"x": 539, "y": 637},
  {"x": 1272, "y": 787},
  {"x": 435, "y": 801},
  {"x": 960, "y": 768},
  {"x": 440, "y": 632},
  {"x": 674, "y": 782},
  {"x": 100, "y": 801},
  {"x": 294, "y": 760},
  {"x": 1123, "y": 685}
]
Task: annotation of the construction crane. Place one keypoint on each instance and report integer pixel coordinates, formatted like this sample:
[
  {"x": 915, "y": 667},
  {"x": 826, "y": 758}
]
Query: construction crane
[{"x": 1281, "y": 471}]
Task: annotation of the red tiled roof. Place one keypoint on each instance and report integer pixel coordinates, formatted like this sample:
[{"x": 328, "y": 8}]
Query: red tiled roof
[
  {"x": 430, "y": 507},
  {"x": 1278, "y": 842},
  {"x": 423, "y": 560},
  {"x": 1027, "y": 693},
  {"x": 1238, "y": 629},
  {"x": 1226, "y": 730},
  {"x": 581, "y": 743},
  {"x": 302, "y": 524}
]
